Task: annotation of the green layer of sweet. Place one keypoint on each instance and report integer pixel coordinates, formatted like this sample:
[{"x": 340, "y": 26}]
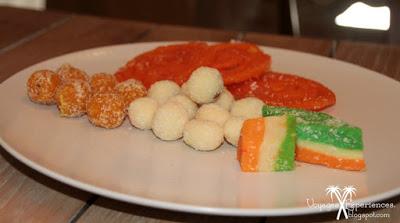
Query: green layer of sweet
[
  {"x": 285, "y": 159},
  {"x": 321, "y": 128},
  {"x": 345, "y": 137},
  {"x": 303, "y": 116}
]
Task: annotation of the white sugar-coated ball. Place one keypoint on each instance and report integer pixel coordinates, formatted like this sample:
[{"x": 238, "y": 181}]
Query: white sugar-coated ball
[
  {"x": 225, "y": 99},
  {"x": 184, "y": 89},
  {"x": 141, "y": 112},
  {"x": 169, "y": 121},
  {"x": 204, "y": 85},
  {"x": 232, "y": 129},
  {"x": 203, "y": 135},
  {"x": 213, "y": 112},
  {"x": 161, "y": 91},
  {"x": 188, "y": 104},
  {"x": 249, "y": 107}
]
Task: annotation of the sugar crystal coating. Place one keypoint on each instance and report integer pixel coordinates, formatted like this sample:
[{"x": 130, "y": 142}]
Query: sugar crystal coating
[
  {"x": 106, "y": 110},
  {"x": 204, "y": 84},
  {"x": 68, "y": 73},
  {"x": 214, "y": 113},
  {"x": 225, "y": 99},
  {"x": 169, "y": 121},
  {"x": 130, "y": 90},
  {"x": 141, "y": 112},
  {"x": 321, "y": 127},
  {"x": 42, "y": 85},
  {"x": 71, "y": 98},
  {"x": 102, "y": 83},
  {"x": 162, "y": 91},
  {"x": 203, "y": 135},
  {"x": 232, "y": 129},
  {"x": 185, "y": 101}
]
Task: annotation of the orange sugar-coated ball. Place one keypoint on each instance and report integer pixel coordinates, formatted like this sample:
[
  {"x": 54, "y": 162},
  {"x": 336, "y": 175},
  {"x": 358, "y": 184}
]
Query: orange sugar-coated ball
[
  {"x": 68, "y": 72},
  {"x": 102, "y": 83},
  {"x": 130, "y": 90},
  {"x": 71, "y": 98},
  {"x": 106, "y": 110},
  {"x": 42, "y": 86}
]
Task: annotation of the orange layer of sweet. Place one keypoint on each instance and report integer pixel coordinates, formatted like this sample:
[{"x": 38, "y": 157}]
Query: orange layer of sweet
[
  {"x": 251, "y": 138},
  {"x": 310, "y": 156}
]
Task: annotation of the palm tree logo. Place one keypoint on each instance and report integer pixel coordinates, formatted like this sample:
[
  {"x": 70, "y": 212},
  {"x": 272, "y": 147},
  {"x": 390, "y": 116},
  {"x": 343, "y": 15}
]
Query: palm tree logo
[
  {"x": 333, "y": 190},
  {"x": 349, "y": 191},
  {"x": 342, "y": 196}
]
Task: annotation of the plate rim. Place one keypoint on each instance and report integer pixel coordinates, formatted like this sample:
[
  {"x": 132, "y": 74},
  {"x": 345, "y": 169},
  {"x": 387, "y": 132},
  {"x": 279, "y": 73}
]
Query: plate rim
[{"x": 173, "y": 206}]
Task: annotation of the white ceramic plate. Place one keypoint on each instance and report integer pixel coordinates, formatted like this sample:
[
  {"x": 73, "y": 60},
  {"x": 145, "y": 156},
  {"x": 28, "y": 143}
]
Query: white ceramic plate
[{"x": 133, "y": 166}]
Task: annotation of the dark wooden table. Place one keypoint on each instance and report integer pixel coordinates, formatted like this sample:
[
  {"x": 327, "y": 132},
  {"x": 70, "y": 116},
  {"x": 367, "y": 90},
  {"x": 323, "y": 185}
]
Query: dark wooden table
[{"x": 28, "y": 37}]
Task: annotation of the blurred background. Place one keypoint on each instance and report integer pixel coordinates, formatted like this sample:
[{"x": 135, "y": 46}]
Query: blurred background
[{"x": 367, "y": 20}]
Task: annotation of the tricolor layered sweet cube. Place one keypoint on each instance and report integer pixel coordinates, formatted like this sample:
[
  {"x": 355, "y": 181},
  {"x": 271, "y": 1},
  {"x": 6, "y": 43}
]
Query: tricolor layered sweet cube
[
  {"x": 267, "y": 144},
  {"x": 323, "y": 139}
]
